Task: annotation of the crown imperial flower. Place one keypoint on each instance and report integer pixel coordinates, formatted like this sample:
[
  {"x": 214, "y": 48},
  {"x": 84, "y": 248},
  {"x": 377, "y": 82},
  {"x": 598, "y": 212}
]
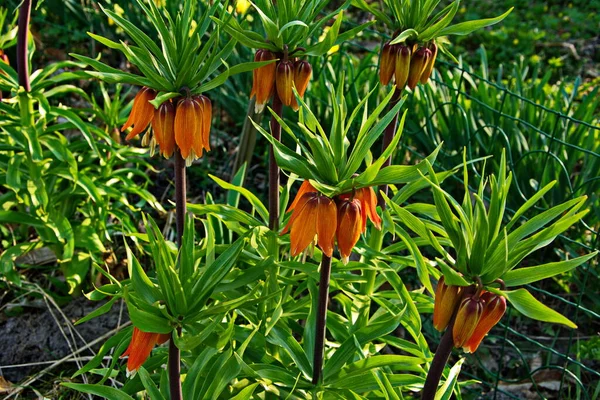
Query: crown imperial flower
[
  {"x": 141, "y": 114},
  {"x": 447, "y": 298},
  {"x": 263, "y": 80},
  {"x": 140, "y": 347},
  {"x": 417, "y": 64},
  {"x": 302, "y": 74},
  {"x": 284, "y": 78},
  {"x": 493, "y": 310},
  {"x": 349, "y": 226},
  {"x": 467, "y": 318}
]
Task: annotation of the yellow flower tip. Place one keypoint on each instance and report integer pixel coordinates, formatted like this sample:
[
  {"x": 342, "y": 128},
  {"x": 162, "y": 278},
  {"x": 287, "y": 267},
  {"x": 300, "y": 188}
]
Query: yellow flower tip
[
  {"x": 284, "y": 79},
  {"x": 141, "y": 114},
  {"x": 446, "y": 300},
  {"x": 417, "y": 64},
  {"x": 164, "y": 128},
  {"x": 263, "y": 79},
  {"x": 302, "y": 75},
  {"x": 493, "y": 310},
  {"x": 467, "y": 318},
  {"x": 387, "y": 63},
  {"x": 403, "y": 56},
  {"x": 140, "y": 347},
  {"x": 430, "y": 63},
  {"x": 349, "y": 225}
]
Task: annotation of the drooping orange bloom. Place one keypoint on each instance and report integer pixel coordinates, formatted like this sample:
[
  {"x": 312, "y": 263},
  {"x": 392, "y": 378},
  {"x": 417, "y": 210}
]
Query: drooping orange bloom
[
  {"x": 493, "y": 310},
  {"x": 387, "y": 63},
  {"x": 417, "y": 64},
  {"x": 192, "y": 126},
  {"x": 302, "y": 74},
  {"x": 467, "y": 318},
  {"x": 314, "y": 216},
  {"x": 284, "y": 78},
  {"x": 446, "y": 300},
  {"x": 402, "y": 66},
  {"x": 163, "y": 126},
  {"x": 263, "y": 80},
  {"x": 349, "y": 226},
  {"x": 141, "y": 114},
  {"x": 430, "y": 63},
  {"x": 368, "y": 205},
  {"x": 141, "y": 346}
]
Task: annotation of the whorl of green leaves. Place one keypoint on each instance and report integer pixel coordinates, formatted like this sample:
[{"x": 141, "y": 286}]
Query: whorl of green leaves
[
  {"x": 292, "y": 23},
  {"x": 328, "y": 160},
  {"x": 487, "y": 249},
  {"x": 186, "y": 56}
]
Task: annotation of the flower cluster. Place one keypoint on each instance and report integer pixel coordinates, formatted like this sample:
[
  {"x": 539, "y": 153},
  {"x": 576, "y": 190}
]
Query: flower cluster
[
  {"x": 183, "y": 121},
  {"x": 317, "y": 218},
  {"x": 477, "y": 312},
  {"x": 409, "y": 65},
  {"x": 281, "y": 77},
  {"x": 140, "y": 347}
]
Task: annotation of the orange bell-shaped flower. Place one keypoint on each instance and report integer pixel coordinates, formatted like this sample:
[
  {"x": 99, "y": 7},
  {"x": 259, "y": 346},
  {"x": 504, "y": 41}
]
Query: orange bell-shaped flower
[
  {"x": 141, "y": 114},
  {"x": 387, "y": 63},
  {"x": 368, "y": 205},
  {"x": 313, "y": 216},
  {"x": 447, "y": 298},
  {"x": 430, "y": 63},
  {"x": 141, "y": 346},
  {"x": 349, "y": 226},
  {"x": 493, "y": 310},
  {"x": 192, "y": 126},
  {"x": 284, "y": 77},
  {"x": 302, "y": 74},
  {"x": 263, "y": 79},
  {"x": 402, "y": 66},
  {"x": 467, "y": 318},
  {"x": 417, "y": 64},
  {"x": 164, "y": 128}
]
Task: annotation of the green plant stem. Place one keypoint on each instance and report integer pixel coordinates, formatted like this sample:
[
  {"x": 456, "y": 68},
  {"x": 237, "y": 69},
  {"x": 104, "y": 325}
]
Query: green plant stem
[
  {"x": 247, "y": 138},
  {"x": 437, "y": 365},
  {"x": 180, "y": 211},
  {"x": 388, "y": 137},
  {"x": 22, "y": 39},
  {"x": 274, "y": 168},
  {"x": 321, "y": 318}
]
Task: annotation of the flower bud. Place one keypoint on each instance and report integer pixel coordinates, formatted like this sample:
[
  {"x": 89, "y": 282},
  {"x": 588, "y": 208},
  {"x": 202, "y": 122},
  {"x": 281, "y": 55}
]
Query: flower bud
[
  {"x": 263, "y": 79},
  {"x": 447, "y": 298},
  {"x": 430, "y": 63},
  {"x": 402, "y": 66},
  {"x": 284, "y": 77},
  {"x": 349, "y": 226},
  {"x": 467, "y": 318},
  {"x": 493, "y": 310},
  {"x": 188, "y": 128},
  {"x": 387, "y": 63},
  {"x": 417, "y": 64},
  {"x": 302, "y": 74},
  {"x": 164, "y": 128}
]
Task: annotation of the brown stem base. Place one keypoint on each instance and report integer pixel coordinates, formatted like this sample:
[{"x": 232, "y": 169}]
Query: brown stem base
[
  {"x": 321, "y": 318},
  {"x": 437, "y": 365}
]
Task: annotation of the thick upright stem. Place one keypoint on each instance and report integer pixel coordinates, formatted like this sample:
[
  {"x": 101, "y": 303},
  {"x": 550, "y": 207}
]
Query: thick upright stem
[
  {"x": 274, "y": 168},
  {"x": 22, "y": 39},
  {"x": 388, "y": 136},
  {"x": 180, "y": 211},
  {"x": 437, "y": 365},
  {"x": 321, "y": 318}
]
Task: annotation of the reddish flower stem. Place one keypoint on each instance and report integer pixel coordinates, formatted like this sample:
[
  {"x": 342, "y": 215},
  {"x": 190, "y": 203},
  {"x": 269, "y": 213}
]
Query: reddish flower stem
[
  {"x": 22, "y": 39},
  {"x": 320, "y": 329},
  {"x": 180, "y": 211},
  {"x": 440, "y": 359},
  {"x": 273, "y": 167},
  {"x": 388, "y": 137}
]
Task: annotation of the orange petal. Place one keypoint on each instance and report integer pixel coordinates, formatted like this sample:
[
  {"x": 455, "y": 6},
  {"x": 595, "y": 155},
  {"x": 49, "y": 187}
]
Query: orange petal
[
  {"x": 164, "y": 125},
  {"x": 265, "y": 77},
  {"x": 430, "y": 63},
  {"x": 493, "y": 310},
  {"x": 206, "y": 120},
  {"x": 306, "y": 187},
  {"x": 185, "y": 126},
  {"x": 284, "y": 78},
  {"x": 446, "y": 300},
  {"x": 349, "y": 227},
  {"x": 417, "y": 64},
  {"x": 467, "y": 318},
  {"x": 304, "y": 227},
  {"x": 141, "y": 114},
  {"x": 403, "y": 66},
  {"x": 302, "y": 200},
  {"x": 198, "y": 137},
  {"x": 139, "y": 349},
  {"x": 326, "y": 224},
  {"x": 387, "y": 63}
]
